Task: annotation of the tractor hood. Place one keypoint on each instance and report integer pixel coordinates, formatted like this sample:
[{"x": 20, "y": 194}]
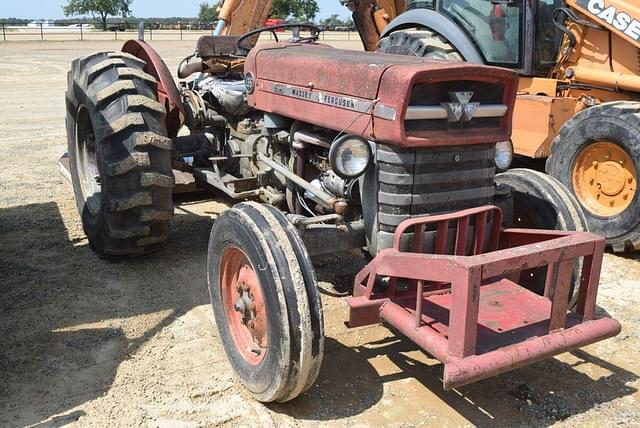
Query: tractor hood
[{"x": 398, "y": 100}]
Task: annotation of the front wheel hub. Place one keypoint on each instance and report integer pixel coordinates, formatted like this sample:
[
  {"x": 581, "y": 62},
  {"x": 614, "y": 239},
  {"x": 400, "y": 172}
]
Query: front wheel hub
[
  {"x": 604, "y": 178},
  {"x": 244, "y": 306}
]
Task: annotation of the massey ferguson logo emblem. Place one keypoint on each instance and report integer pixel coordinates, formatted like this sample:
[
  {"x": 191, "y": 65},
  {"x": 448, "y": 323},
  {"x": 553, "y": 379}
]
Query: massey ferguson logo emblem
[{"x": 460, "y": 109}]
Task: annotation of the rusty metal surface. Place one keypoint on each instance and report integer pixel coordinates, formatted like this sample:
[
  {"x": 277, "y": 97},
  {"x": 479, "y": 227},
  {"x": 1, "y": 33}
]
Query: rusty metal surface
[
  {"x": 403, "y": 78},
  {"x": 168, "y": 93},
  {"x": 458, "y": 372},
  {"x": 466, "y": 308},
  {"x": 208, "y": 46},
  {"x": 292, "y": 78},
  {"x": 340, "y": 71}
]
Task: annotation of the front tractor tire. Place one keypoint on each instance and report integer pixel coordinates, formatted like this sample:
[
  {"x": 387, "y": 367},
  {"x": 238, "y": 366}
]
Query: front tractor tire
[
  {"x": 119, "y": 154},
  {"x": 265, "y": 302},
  {"x": 597, "y": 156}
]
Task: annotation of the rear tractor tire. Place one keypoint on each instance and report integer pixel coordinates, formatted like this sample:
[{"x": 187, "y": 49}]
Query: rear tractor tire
[
  {"x": 597, "y": 156},
  {"x": 542, "y": 202},
  {"x": 265, "y": 302},
  {"x": 119, "y": 154}
]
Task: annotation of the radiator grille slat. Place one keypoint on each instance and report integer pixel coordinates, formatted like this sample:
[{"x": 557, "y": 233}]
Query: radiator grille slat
[{"x": 433, "y": 180}]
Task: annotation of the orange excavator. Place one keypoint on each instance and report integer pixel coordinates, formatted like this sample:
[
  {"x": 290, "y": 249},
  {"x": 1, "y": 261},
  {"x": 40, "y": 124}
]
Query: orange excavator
[{"x": 578, "y": 104}]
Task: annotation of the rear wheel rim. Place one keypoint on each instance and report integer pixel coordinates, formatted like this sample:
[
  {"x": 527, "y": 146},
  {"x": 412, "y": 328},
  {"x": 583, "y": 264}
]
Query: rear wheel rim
[
  {"x": 243, "y": 305},
  {"x": 604, "y": 179},
  {"x": 86, "y": 161}
]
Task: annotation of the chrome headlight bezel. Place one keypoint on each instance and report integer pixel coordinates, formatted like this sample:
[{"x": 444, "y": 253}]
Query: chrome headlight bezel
[{"x": 342, "y": 152}]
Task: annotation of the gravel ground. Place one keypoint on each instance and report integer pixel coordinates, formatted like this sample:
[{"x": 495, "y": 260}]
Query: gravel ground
[{"x": 94, "y": 343}]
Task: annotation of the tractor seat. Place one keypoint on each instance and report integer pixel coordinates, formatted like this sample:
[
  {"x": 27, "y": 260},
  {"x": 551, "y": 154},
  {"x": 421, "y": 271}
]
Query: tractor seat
[{"x": 211, "y": 46}]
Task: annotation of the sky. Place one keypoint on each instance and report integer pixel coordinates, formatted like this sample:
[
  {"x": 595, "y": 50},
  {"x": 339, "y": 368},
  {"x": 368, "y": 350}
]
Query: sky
[{"x": 52, "y": 9}]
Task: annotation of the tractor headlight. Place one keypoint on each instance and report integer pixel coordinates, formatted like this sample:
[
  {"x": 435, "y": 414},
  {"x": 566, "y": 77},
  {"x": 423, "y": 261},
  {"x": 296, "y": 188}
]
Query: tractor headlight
[
  {"x": 350, "y": 156},
  {"x": 504, "y": 155}
]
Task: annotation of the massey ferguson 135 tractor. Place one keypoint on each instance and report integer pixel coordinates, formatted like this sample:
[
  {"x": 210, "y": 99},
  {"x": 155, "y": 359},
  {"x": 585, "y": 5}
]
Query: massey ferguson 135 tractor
[{"x": 328, "y": 150}]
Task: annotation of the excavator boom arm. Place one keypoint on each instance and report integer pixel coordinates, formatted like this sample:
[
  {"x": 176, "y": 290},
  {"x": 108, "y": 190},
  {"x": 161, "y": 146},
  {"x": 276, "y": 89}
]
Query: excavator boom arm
[
  {"x": 370, "y": 17},
  {"x": 242, "y": 16}
]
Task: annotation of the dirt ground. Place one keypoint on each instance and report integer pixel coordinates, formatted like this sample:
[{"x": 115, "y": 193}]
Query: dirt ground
[{"x": 94, "y": 343}]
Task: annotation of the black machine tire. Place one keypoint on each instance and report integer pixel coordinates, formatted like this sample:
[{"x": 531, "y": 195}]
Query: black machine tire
[
  {"x": 547, "y": 203},
  {"x": 618, "y": 123},
  {"x": 291, "y": 301},
  {"x": 542, "y": 202},
  {"x": 114, "y": 114},
  {"x": 419, "y": 42}
]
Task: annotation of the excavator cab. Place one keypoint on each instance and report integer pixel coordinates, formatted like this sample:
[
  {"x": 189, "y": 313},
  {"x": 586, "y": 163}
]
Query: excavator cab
[{"x": 517, "y": 34}]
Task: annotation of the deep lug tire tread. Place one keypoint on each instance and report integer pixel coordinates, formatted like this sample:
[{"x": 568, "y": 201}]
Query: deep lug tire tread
[{"x": 133, "y": 151}]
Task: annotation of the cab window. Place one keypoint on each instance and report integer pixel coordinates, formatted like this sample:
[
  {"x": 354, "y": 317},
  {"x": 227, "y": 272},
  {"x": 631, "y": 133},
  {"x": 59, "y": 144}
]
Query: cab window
[
  {"x": 548, "y": 37},
  {"x": 495, "y": 28}
]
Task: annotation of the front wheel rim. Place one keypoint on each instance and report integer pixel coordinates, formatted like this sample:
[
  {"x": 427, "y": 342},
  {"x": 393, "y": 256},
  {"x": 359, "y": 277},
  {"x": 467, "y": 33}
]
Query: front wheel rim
[
  {"x": 86, "y": 161},
  {"x": 604, "y": 179},
  {"x": 243, "y": 305}
]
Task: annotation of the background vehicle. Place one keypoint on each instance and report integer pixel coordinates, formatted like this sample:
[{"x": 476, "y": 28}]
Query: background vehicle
[
  {"x": 360, "y": 153},
  {"x": 578, "y": 101}
]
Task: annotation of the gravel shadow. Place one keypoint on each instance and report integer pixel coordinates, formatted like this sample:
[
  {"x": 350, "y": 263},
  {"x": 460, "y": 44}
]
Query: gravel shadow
[{"x": 60, "y": 305}]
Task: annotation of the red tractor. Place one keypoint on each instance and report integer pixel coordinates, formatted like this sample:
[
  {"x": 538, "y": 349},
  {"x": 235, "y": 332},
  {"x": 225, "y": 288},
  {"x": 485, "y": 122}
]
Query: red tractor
[{"x": 326, "y": 151}]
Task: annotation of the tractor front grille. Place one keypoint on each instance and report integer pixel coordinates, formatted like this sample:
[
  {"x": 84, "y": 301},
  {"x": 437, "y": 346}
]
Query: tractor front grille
[
  {"x": 431, "y": 96},
  {"x": 428, "y": 181}
]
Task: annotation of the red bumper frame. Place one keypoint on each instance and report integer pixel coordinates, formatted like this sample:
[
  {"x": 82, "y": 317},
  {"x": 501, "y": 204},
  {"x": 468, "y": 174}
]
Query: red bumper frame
[{"x": 456, "y": 293}]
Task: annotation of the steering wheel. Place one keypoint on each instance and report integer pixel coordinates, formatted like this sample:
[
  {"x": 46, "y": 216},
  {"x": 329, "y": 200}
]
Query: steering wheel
[{"x": 314, "y": 29}]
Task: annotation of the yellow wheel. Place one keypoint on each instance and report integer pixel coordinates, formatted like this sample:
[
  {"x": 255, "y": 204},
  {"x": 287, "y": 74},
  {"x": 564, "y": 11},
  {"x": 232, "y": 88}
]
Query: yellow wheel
[
  {"x": 597, "y": 157},
  {"x": 605, "y": 179}
]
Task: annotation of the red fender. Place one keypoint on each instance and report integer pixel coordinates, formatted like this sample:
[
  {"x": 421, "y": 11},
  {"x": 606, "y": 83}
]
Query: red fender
[{"x": 168, "y": 93}]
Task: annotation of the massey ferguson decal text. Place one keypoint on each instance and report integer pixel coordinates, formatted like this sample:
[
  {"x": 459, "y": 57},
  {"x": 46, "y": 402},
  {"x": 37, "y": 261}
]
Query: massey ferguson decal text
[
  {"x": 361, "y": 106},
  {"x": 347, "y": 103}
]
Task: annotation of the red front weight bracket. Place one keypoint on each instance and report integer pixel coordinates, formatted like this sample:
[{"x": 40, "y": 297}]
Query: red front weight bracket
[{"x": 455, "y": 293}]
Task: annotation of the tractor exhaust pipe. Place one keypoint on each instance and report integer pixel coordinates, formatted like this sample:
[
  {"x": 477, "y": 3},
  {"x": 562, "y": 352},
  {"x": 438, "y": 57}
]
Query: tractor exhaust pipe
[{"x": 186, "y": 68}]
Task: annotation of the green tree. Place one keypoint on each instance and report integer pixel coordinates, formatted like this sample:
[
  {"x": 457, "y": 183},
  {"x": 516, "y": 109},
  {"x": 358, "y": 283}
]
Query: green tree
[
  {"x": 208, "y": 13},
  {"x": 332, "y": 21},
  {"x": 99, "y": 9},
  {"x": 308, "y": 9},
  {"x": 281, "y": 9},
  {"x": 301, "y": 9}
]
